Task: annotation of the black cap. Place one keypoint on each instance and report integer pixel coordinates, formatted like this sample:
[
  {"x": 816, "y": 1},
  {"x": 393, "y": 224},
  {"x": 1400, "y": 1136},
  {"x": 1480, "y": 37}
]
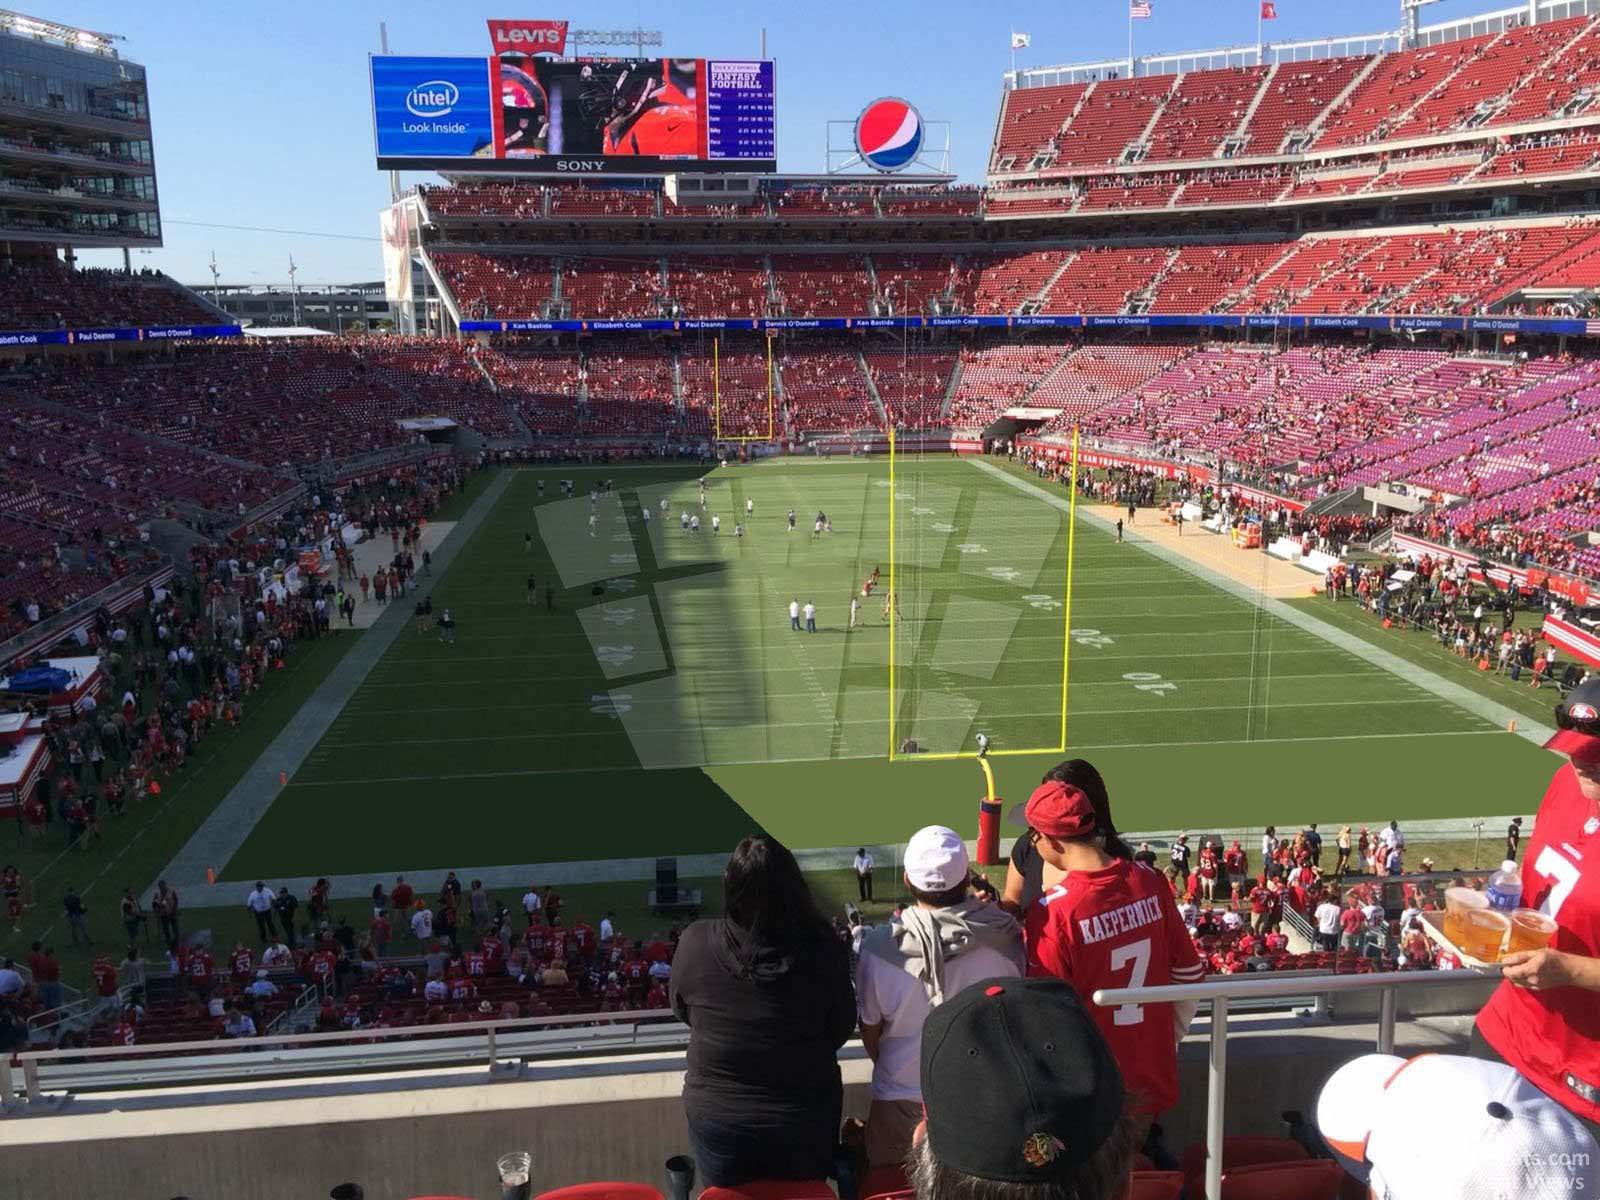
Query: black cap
[
  {"x": 1018, "y": 1084},
  {"x": 1578, "y": 720}
]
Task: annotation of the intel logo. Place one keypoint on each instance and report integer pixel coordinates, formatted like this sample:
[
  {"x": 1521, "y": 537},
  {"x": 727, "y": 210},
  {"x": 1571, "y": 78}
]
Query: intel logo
[{"x": 432, "y": 99}]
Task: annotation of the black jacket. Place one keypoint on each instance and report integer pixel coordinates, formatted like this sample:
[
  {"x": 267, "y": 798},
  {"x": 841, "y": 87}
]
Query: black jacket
[{"x": 766, "y": 1024}]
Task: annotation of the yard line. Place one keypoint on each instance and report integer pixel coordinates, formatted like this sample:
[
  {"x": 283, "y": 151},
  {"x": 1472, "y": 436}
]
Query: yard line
[
  {"x": 523, "y": 772},
  {"x": 767, "y": 672},
  {"x": 696, "y": 729},
  {"x": 236, "y": 815},
  {"x": 362, "y": 713},
  {"x": 683, "y": 646},
  {"x": 1453, "y": 693}
]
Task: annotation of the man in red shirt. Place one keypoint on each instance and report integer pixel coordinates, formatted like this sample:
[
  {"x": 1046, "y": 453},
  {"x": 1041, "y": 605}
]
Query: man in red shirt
[
  {"x": 1110, "y": 923},
  {"x": 241, "y": 962},
  {"x": 400, "y": 897},
  {"x": 538, "y": 941},
  {"x": 494, "y": 954},
  {"x": 105, "y": 976},
  {"x": 46, "y": 975},
  {"x": 381, "y": 932},
  {"x": 1273, "y": 917},
  {"x": 322, "y": 965},
  {"x": 201, "y": 966},
  {"x": 583, "y": 935},
  {"x": 1235, "y": 862},
  {"x": 1352, "y": 921},
  {"x": 1258, "y": 908},
  {"x": 1544, "y": 1019}
]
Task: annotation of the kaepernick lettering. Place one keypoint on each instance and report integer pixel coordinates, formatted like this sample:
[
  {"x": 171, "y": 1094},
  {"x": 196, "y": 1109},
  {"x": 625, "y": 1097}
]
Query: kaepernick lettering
[{"x": 1120, "y": 920}]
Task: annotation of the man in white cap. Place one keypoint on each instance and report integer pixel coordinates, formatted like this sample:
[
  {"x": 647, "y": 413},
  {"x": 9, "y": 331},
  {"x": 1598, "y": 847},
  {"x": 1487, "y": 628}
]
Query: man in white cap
[
  {"x": 950, "y": 937},
  {"x": 1442, "y": 1127}
]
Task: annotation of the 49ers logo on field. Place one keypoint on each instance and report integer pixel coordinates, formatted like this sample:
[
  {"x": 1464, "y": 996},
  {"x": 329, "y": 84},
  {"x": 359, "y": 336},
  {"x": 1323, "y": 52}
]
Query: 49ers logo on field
[{"x": 528, "y": 37}]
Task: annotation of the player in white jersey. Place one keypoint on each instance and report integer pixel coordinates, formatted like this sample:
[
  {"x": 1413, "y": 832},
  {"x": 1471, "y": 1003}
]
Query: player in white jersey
[
  {"x": 716, "y": 523},
  {"x": 749, "y": 507}
]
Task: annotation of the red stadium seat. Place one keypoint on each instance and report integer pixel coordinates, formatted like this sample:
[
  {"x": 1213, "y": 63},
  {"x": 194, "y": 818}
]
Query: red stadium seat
[
  {"x": 882, "y": 1181},
  {"x": 1314, "y": 1179},
  {"x": 1155, "y": 1185},
  {"x": 1238, "y": 1152},
  {"x": 603, "y": 1191},
  {"x": 769, "y": 1189}
]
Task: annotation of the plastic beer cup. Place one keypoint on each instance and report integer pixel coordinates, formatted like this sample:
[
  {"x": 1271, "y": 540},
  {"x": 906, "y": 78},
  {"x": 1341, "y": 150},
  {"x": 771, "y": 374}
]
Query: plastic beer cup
[
  {"x": 1484, "y": 932},
  {"x": 1458, "y": 901},
  {"x": 516, "y": 1175},
  {"x": 1530, "y": 930}
]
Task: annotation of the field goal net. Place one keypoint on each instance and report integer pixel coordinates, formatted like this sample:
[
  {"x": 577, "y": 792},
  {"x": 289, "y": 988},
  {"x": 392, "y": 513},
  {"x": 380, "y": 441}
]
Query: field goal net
[{"x": 977, "y": 593}]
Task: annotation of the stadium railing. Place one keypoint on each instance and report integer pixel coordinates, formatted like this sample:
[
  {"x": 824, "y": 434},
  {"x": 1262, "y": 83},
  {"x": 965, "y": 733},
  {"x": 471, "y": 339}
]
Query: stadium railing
[
  {"x": 367, "y": 1050},
  {"x": 115, "y": 596},
  {"x": 1221, "y": 992}
]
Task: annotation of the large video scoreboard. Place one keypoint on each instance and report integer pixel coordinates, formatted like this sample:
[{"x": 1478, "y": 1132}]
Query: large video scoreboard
[{"x": 540, "y": 114}]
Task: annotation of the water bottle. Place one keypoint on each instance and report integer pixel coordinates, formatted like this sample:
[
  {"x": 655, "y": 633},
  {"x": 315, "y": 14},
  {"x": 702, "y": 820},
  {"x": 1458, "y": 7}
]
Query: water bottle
[{"x": 1505, "y": 887}]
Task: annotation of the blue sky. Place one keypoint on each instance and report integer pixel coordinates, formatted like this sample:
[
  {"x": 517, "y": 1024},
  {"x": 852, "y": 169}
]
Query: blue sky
[{"x": 262, "y": 115}]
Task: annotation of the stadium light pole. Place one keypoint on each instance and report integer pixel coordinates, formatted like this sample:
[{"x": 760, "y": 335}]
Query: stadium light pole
[
  {"x": 383, "y": 45},
  {"x": 1410, "y": 22}
]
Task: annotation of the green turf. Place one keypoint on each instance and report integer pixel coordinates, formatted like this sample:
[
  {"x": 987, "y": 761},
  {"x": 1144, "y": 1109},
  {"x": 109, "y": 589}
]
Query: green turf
[
  {"x": 136, "y": 846},
  {"x": 522, "y": 742},
  {"x": 1422, "y": 647}
]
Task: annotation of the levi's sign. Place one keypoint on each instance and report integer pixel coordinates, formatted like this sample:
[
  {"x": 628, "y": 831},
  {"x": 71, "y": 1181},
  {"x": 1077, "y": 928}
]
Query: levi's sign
[{"x": 528, "y": 37}]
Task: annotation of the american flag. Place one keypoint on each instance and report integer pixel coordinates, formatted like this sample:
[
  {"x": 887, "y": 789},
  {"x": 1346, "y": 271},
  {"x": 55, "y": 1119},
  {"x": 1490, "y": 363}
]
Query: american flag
[
  {"x": 1591, "y": 328},
  {"x": 1139, "y": 10}
]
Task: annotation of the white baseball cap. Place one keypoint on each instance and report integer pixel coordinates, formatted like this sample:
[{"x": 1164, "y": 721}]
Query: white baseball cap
[
  {"x": 936, "y": 859},
  {"x": 1443, "y": 1127}
]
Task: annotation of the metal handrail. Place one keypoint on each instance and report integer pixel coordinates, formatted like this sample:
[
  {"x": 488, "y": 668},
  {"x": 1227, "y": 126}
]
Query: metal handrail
[
  {"x": 1220, "y": 991},
  {"x": 29, "y": 1061}
]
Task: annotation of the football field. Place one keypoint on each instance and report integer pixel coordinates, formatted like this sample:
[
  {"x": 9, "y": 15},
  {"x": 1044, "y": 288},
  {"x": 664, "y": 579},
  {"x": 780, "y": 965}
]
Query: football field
[{"x": 672, "y": 651}]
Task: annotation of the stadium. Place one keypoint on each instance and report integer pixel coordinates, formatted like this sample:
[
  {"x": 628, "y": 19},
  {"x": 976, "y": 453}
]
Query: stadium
[{"x": 409, "y": 656}]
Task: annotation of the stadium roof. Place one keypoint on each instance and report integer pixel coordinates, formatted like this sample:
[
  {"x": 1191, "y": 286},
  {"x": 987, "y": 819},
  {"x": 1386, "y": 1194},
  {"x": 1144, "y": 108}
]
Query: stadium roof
[
  {"x": 1332, "y": 46},
  {"x": 21, "y": 25}
]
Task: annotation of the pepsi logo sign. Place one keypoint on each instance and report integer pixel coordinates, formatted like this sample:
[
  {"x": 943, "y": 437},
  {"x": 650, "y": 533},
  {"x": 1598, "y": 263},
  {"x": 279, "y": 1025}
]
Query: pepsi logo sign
[
  {"x": 889, "y": 134},
  {"x": 1582, "y": 712},
  {"x": 435, "y": 98}
]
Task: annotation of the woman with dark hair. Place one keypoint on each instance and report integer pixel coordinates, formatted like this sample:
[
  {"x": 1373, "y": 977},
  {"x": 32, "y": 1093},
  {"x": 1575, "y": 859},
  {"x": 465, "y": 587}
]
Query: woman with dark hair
[
  {"x": 1029, "y": 876},
  {"x": 765, "y": 991}
]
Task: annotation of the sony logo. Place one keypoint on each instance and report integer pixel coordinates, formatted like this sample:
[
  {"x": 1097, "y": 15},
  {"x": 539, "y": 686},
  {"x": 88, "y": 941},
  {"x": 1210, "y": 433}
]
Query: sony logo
[{"x": 581, "y": 164}]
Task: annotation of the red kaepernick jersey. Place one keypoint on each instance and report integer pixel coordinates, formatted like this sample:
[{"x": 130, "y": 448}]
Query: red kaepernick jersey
[
  {"x": 1116, "y": 928},
  {"x": 1553, "y": 1037}
]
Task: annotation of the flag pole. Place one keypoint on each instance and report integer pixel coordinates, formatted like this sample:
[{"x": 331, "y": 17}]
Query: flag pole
[
  {"x": 1013, "y": 58},
  {"x": 1130, "y": 39},
  {"x": 1261, "y": 56}
]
